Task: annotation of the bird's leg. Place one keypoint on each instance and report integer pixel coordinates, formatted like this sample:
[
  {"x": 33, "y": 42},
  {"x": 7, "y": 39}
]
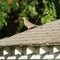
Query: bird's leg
[{"x": 28, "y": 28}]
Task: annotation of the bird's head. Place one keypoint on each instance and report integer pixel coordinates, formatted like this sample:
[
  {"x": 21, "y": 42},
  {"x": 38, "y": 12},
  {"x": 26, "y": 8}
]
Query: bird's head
[{"x": 24, "y": 19}]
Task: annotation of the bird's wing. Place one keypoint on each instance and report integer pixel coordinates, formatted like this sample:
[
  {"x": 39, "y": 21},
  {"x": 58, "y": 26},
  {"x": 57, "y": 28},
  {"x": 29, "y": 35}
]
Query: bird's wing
[{"x": 28, "y": 24}]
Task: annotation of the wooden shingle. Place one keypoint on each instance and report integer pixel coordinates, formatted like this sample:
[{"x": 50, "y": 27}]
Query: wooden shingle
[{"x": 47, "y": 34}]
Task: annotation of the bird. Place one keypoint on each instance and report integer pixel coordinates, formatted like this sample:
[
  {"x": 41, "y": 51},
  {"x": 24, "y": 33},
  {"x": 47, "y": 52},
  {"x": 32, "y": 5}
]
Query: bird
[{"x": 28, "y": 24}]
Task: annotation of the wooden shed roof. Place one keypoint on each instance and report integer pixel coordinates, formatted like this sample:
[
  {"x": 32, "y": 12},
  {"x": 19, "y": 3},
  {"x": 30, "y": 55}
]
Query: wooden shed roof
[{"x": 47, "y": 34}]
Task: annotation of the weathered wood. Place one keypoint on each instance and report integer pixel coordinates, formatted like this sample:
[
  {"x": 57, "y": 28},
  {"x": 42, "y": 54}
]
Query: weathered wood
[
  {"x": 1, "y": 51},
  {"x": 48, "y": 34},
  {"x": 34, "y": 49},
  {"x": 48, "y": 49},
  {"x": 22, "y": 49},
  {"x": 10, "y": 50}
]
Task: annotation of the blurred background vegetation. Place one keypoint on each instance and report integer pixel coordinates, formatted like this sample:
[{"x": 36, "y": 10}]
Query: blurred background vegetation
[{"x": 38, "y": 12}]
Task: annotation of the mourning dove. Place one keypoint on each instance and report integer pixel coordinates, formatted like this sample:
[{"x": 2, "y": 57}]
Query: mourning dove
[{"x": 28, "y": 24}]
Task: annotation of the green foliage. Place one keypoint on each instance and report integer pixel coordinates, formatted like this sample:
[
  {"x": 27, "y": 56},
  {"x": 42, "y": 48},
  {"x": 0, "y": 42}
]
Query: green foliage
[
  {"x": 57, "y": 6},
  {"x": 37, "y": 11},
  {"x": 4, "y": 9},
  {"x": 40, "y": 11},
  {"x": 49, "y": 13}
]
